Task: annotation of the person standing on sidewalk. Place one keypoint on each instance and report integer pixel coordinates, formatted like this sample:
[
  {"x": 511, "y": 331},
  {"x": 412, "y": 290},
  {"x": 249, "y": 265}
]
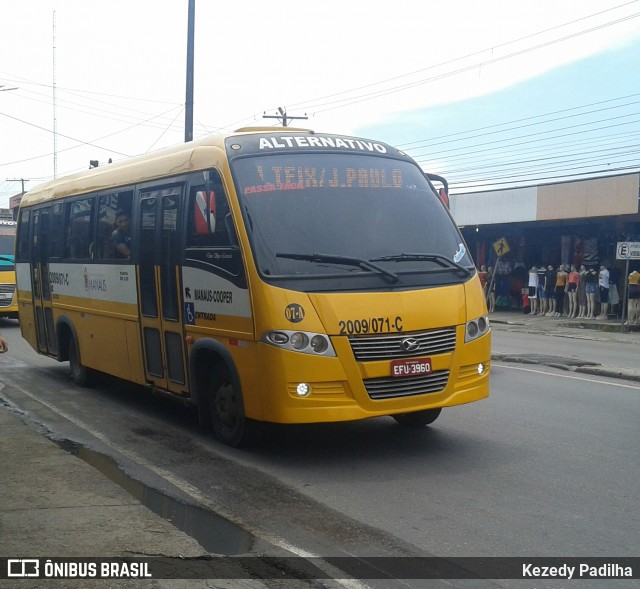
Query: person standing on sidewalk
[{"x": 3, "y": 345}]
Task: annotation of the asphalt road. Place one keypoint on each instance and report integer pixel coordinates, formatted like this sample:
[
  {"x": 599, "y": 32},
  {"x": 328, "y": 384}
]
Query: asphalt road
[
  {"x": 547, "y": 466},
  {"x": 583, "y": 345}
]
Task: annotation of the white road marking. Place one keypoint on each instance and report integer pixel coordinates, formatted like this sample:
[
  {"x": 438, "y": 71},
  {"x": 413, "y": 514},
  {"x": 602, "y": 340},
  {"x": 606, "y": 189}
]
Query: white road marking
[{"x": 556, "y": 374}]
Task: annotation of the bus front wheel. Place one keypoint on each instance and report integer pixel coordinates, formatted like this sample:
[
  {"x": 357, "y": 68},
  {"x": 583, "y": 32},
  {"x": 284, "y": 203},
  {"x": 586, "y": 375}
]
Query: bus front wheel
[
  {"x": 418, "y": 419},
  {"x": 226, "y": 409},
  {"x": 81, "y": 375}
]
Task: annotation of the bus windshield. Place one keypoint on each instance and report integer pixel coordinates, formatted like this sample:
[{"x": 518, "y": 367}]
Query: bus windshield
[
  {"x": 7, "y": 244},
  {"x": 321, "y": 218}
]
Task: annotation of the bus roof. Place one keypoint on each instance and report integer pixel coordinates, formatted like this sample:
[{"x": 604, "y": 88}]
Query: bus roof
[
  {"x": 191, "y": 157},
  {"x": 179, "y": 159}
]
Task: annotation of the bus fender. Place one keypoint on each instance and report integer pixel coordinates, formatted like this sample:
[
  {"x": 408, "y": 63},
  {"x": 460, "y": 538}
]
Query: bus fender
[
  {"x": 64, "y": 331},
  {"x": 207, "y": 348}
]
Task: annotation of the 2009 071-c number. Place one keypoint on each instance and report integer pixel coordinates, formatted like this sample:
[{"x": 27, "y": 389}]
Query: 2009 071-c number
[{"x": 370, "y": 325}]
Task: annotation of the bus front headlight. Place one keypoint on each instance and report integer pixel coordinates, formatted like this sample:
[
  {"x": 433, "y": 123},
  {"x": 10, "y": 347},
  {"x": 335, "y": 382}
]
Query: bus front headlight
[
  {"x": 299, "y": 340},
  {"x": 306, "y": 342},
  {"x": 476, "y": 328}
]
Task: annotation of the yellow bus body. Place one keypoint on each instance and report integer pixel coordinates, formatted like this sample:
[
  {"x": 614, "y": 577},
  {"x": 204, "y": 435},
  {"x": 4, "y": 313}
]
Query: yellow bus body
[
  {"x": 95, "y": 312},
  {"x": 8, "y": 298}
]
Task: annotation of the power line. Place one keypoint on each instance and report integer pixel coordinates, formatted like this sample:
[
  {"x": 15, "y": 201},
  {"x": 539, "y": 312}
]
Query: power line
[
  {"x": 450, "y": 137},
  {"x": 311, "y": 102},
  {"x": 341, "y": 103}
]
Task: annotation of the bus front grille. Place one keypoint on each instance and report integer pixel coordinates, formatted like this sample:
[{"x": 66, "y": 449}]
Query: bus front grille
[
  {"x": 390, "y": 346},
  {"x": 5, "y": 290},
  {"x": 391, "y": 388}
]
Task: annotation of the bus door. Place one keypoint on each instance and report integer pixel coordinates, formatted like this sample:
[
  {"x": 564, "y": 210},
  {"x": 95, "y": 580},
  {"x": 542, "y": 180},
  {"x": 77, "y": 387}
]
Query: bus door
[
  {"x": 40, "y": 285},
  {"x": 159, "y": 288}
]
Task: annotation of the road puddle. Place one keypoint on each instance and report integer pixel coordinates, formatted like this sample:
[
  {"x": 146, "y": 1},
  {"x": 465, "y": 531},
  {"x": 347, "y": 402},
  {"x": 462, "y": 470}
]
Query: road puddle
[{"x": 214, "y": 533}]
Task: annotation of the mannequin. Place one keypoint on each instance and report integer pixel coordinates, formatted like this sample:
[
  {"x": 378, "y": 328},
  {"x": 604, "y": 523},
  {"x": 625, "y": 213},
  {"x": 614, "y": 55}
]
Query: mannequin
[
  {"x": 572, "y": 291},
  {"x": 533, "y": 290},
  {"x": 482, "y": 275},
  {"x": 491, "y": 287},
  {"x": 582, "y": 292},
  {"x": 634, "y": 298},
  {"x": 542, "y": 293},
  {"x": 603, "y": 283},
  {"x": 591, "y": 280},
  {"x": 561, "y": 287},
  {"x": 614, "y": 297},
  {"x": 550, "y": 290}
]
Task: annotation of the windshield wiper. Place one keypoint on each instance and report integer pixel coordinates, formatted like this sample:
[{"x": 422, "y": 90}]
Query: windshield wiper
[
  {"x": 330, "y": 259},
  {"x": 439, "y": 259}
]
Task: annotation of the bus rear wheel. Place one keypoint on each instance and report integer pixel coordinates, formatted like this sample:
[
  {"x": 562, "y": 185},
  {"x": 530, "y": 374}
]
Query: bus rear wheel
[
  {"x": 81, "y": 375},
  {"x": 226, "y": 409},
  {"x": 418, "y": 419}
]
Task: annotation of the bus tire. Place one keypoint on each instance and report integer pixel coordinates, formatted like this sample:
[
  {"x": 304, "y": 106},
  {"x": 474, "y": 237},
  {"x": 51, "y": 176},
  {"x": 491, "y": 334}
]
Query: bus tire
[
  {"x": 418, "y": 419},
  {"x": 226, "y": 411},
  {"x": 80, "y": 375}
]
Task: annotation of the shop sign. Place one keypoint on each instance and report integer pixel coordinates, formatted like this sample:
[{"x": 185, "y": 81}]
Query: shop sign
[{"x": 628, "y": 250}]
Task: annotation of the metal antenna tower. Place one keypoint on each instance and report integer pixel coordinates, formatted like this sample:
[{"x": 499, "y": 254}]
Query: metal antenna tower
[{"x": 55, "y": 121}]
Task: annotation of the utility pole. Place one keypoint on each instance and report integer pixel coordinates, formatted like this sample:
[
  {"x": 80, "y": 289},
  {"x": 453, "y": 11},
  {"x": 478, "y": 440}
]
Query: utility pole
[
  {"x": 283, "y": 117},
  {"x": 14, "y": 202},
  {"x": 188, "y": 113},
  {"x": 23, "y": 180}
]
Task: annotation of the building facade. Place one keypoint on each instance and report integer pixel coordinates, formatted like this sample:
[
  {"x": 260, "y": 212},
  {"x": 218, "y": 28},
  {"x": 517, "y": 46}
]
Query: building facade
[{"x": 578, "y": 222}]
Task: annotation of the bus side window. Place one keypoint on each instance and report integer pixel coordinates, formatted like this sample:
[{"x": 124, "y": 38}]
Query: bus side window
[
  {"x": 204, "y": 212},
  {"x": 22, "y": 248},
  {"x": 110, "y": 208},
  {"x": 57, "y": 236},
  {"x": 80, "y": 228},
  {"x": 210, "y": 223}
]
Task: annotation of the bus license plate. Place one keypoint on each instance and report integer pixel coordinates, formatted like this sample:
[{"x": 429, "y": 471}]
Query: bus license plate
[{"x": 410, "y": 367}]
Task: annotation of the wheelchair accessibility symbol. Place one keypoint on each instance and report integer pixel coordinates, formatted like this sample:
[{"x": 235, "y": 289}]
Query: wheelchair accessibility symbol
[{"x": 189, "y": 314}]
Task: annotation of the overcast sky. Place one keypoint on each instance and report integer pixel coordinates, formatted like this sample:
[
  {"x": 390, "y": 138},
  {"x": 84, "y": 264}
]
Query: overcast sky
[{"x": 402, "y": 72}]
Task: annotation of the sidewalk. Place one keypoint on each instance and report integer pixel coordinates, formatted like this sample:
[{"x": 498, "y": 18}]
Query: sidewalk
[
  {"x": 54, "y": 505},
  {"x": 608, "y": 330}
]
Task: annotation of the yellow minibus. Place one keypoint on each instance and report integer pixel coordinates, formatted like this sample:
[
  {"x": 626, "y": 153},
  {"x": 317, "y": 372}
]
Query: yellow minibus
[
  {"x": 267, "y": 275},
  {"x": 8, "y": 299}
]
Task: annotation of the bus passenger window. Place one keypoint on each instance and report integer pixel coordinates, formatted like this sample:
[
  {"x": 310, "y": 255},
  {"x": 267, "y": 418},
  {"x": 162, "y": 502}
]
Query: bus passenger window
[
  {"x": 56, "y": 249},
  {"x": 121, "y": 236},
  {"x": 22, "y": 247},
  {"x": 113, "y": 240},
  {"x": 80, "y": 217},
  {"x": 209, "y": 219}
]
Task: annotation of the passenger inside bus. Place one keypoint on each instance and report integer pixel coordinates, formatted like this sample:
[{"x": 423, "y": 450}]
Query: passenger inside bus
[
  {"x": 103, "y": 248},
  {"x": 121, "y": 237}
]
